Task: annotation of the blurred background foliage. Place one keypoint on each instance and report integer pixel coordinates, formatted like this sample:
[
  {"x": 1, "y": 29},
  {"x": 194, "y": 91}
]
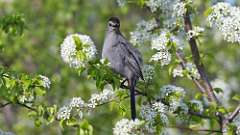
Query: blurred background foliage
[{"x": 37, "y": 51}]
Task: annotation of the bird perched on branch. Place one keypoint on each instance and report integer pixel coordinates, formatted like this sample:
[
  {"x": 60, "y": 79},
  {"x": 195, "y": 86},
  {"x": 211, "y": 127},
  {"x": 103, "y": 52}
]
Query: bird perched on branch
[{"x": 123, "y": 57}]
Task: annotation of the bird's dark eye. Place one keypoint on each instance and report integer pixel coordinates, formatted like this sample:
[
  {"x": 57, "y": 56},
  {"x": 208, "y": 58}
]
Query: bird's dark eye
[{"x": 113, "y": 24}]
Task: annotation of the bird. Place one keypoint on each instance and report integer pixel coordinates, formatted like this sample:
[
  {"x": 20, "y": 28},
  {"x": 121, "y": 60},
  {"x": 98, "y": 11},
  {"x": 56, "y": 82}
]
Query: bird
[{"x": 124, "y": 59}]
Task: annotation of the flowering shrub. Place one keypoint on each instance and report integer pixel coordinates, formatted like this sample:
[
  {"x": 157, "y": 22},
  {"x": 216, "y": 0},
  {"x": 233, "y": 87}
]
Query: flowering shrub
[{"x": 182, "y": 90}]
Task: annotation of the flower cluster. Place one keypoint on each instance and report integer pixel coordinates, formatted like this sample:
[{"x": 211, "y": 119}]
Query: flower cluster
[
  {"x": 150, "y": 112},
  {"x": 179, "y": 9},
  {"x": 226, "y": 19},
  {"x": 77, "y": 105},
  {"x": 163, "y": 43},
  {"x": 160, "y": 43},
  {"x": 155, "y": 5},
  {"x": 178, "y": 71},
  {"x": 121, "y": 3},
  {"x": 143, "y": 32},
  {"x": 77, "y": 50},
  {"x": 103, "y": 97},
  {"x": 195, "y": 32},
  {"x": 191, "y": 70},
  {"x": 26, "y": 98},
  {"x": 148, "y": 72},
  {"x": 128, "y": 127},
  {"x": 172, "y": 95},
  {"x": 64, "y": 113},
  {"x": 45, "y": 81}
]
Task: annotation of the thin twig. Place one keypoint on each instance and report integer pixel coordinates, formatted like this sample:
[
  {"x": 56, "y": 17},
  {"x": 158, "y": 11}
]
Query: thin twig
[
  {"x": 4, "y": 104},
  {"x": 195, "y": 130},
  {"x": 26, "y": 106},
  {"x": 233, "y": 115},
  {"x": 183, "y": 64},
  {"x": 200, "y": 115}
]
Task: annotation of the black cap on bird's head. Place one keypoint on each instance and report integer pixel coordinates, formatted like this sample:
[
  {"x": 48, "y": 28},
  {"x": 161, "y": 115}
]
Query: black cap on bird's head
[{"x": 114, "y": 23}]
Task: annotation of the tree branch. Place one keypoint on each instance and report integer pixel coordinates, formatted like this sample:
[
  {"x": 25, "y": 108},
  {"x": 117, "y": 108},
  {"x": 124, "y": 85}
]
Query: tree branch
[
  {"x": 2, "y": 105},
  {"x": 183, "y": 64},
  {"x": 195, "y": 130},
  {"x": 199, "y": 115},
  {"x": 197, "y": 60},
  {"x": 232, "y": 116},
  {"x": 26, "y": 106}
]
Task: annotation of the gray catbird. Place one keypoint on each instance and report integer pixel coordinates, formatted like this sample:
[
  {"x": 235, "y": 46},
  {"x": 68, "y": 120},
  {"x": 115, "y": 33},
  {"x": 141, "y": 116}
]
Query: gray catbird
[{"x": 123, "y": 57}]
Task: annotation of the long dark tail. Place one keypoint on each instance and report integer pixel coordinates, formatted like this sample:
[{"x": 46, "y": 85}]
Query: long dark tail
[{"x": 132, "y": 84}]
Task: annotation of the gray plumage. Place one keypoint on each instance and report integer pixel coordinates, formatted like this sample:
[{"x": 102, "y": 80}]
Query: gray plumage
[{"x": 123, "y": 57}]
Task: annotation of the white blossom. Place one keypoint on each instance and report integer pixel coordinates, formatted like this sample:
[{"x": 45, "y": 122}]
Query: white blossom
[
  {"x": 45, "y": 81},
  {"x": 226, "y": 19},
  {"x": 64, "y": 113},
  {"x": 121, "y": 3},
  {"x": 192, "y": 71},
  {"x": 159, "y": 107},
  {"x": 148, "y": 72},
  {"x": 163, "y": 56},
  {"x": 143, "y": 32},
  {"x": 77, "y": 102},
  {"x": 160, "y": 42},
  {"x": 171, "y": 89},
  {"x": 163, "y": 5},
  {"x": 195, "y": 32},
  {"x": 77, "y": 54},
  {"x": 26, "y": 98},
  {"x": 178, "y": 71},
  {"x": 128, "y": 127},
  {"x": 173, "y": 95},
  {"x": 105, "y": 96},
  {"x": 148, "y": 113},
  {"x": 179, "y": 9}
]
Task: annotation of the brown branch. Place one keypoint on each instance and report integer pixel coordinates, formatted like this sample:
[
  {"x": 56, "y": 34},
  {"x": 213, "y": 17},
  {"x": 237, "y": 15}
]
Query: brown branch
[
  {"x": 197, "y": 60},
  {"x": 26, "y": 106},
  {"x": 2, "y": 105},
  {"x": 232, "y": 116},
  {"x": 199, "y": 115},
  {"x": 183, "y": 65},
  {"x": 195, "y": 130}
]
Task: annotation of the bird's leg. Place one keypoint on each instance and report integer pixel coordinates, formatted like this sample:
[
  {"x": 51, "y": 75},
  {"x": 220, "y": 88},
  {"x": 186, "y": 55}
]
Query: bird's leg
[
  {"x": 122, "y": 84},
  {"x": 132, "y": 83}
]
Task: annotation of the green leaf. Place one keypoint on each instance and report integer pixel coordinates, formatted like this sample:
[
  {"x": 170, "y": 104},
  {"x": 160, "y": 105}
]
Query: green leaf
[
  {"x": 71, "y": 122},
  {"x": 39, "y": 91},
  {"x": 38, "y": 123},
  {"x": 78, "y": 42},
  {"x": 236, "y": 97},
  {"x": 208, "y": 12},
  {"x": 218, "y": 90}
]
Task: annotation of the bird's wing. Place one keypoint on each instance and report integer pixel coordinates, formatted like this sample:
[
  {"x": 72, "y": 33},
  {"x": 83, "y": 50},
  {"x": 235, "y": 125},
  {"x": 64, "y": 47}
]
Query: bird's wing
[{"x": 131, "y": 55}]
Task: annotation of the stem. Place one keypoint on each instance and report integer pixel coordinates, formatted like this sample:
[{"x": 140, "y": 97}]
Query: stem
[
  {"x": 5, "y": 104},
  {"x": 194, "y": 130},
  {"x": 183, "y": 64}
]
